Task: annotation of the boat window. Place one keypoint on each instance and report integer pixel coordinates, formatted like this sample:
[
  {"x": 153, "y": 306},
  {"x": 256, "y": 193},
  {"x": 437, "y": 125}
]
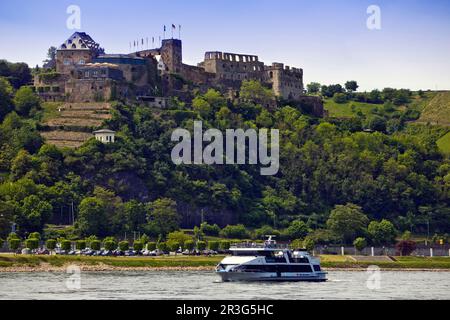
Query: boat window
[{"x": 317, "y": 268}]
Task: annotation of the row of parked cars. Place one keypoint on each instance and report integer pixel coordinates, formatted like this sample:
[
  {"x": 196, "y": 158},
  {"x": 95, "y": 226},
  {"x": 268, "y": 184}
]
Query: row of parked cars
[{"x": 119, "y": 253}]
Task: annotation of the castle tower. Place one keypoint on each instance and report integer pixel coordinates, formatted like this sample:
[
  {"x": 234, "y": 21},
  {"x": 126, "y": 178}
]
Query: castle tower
[{"x": 172, "y": 55}]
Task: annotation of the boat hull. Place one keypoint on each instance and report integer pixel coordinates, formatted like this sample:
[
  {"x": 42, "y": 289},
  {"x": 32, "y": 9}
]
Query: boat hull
[{"x": 272, "y": 276}]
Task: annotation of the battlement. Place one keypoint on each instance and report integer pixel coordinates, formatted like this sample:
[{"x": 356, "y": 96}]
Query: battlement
[
  {"x": 287, "y": 69},
  {"x": 231, "y": 57}
]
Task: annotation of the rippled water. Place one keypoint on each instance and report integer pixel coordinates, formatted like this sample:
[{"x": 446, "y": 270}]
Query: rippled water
[{"x": 206, "y": 285}]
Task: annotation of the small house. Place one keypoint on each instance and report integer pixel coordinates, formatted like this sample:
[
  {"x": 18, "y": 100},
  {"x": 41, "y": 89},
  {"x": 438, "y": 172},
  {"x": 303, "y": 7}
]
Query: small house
[{"x": 105, "y": 135}]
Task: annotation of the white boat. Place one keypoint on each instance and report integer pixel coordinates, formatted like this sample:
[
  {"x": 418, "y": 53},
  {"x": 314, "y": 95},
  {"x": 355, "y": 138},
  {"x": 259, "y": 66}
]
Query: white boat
[{"x": 269, "y": 262}]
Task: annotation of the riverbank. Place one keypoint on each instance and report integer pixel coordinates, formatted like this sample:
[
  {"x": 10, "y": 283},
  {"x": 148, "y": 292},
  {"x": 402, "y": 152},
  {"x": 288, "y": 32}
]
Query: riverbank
[{"x": 33, "y": 263}]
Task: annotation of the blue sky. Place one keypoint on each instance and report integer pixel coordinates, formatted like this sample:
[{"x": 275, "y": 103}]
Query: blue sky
[{"x": 327, "y": 38}]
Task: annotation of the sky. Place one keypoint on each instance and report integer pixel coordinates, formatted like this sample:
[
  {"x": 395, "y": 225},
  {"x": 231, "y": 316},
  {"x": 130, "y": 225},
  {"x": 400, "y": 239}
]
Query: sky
[{"x": 329, "y": 39}]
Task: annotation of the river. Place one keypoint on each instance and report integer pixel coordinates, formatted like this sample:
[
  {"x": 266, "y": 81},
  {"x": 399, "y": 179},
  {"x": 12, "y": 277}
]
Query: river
[{"x": 205, "y": 285}]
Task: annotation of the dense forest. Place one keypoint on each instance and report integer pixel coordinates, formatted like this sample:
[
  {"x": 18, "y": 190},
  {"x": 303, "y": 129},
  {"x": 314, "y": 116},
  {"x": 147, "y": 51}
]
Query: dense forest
[{"x": 375, "y": 168}]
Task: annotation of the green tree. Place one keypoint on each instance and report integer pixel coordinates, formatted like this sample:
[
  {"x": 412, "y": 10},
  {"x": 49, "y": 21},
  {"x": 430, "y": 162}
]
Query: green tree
[
  {"x": 351, "y": 86},
  {"x": 6, "y": 104},
  {"x": 95, "y": 245},
  {"x": 50, "y": 244},
  {"x": 124, "y": 246},
  {"x": 178, "y": 236},
  {"x": 173, "y": 245},
  {"x": 189, "y": 245},
  {"x": 31, "y": 243},
  {"x": 14, "y": 244},
  {"x": 347, "y": 222},
  {"x": 309, "y": 244},
  {"x": 151, "y": 246},
  {"x": 382, "y": 233},
  {"x": 81, "y": 244},
  {"x": 360, "y": 243},
  {"x": 66, "y": 245},
  {"x": 92, "y": 218},
  {"x": 213, "y": 245},
  {"x": 201, "y": 245},
  {"x": 210, "y": 230},
  {"x": 254, "y": 91},
  {"x": 236, "y": 232},
  {"x": 224, "y": 245},
  {"x": 313, "y": 87},
  {"x": 25, "y": 100},
  {"x": 164, "y": 215},
  {"x": 297, "y": 230},
  {"x": 110, "y": 245},
  {"x": 7, "y": 211},
  {"x": 340, "y": 98},
  {"x": 138, "y": 245},
  {"x": 162, "y": 246}
]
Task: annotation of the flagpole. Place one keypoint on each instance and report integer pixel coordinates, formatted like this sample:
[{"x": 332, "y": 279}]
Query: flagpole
[{"x": 179, "y": 31}]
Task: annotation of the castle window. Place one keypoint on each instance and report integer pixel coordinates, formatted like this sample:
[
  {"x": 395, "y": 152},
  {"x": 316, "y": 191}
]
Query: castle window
[
  {"x": 66, "y": 62},
  {"x": 82, "y": 61},
  {"x": 271, "y": 75},
  {"x": 74, "y": 46},
  {"x": 86, "y": 74}
]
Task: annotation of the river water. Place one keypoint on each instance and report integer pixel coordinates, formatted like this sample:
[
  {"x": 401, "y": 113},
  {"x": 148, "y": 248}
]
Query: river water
[{"x": 206, "y": 285}]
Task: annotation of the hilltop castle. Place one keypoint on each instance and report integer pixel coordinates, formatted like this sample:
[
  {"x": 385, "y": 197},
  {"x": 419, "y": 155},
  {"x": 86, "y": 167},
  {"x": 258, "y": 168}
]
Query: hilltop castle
[{"x": 85, "y": 73}]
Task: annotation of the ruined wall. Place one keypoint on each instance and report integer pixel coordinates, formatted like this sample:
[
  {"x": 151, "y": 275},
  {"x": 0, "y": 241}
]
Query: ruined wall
[
  {"x": 89, "y": 90},
  {"x": 171, "y": 53},
  {"x": 235, "y": 67},
  {"x": 287, "y": 82}
]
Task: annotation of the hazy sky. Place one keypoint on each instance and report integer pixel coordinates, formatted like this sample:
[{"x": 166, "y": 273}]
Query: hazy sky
[{"x": 329, "y": 39}]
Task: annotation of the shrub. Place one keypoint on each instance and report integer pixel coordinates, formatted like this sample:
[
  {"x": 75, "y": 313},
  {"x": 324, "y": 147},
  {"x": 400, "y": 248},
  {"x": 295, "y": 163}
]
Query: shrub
[
  {"x": 308, "y": 244},
  {"x": 138, "y": 246},
  {"x": 382, "y": 233},
  {"x": 405, "y": 247},
  {"x": 14, "y": 244},
  {"x": 296, "y": 244},
  {"x": 173, "y": 245},
  {"x": 124, "y": 246},
  {"x": 110, "y": 245},
  {"x": 35, "y": 235},
  {"x": 162, "y": 246},
  {"x": 95, "y": 245},
  {"x": 297, "y": 230},
  {"x": 264, "y": 231},
  {"x": 66, "y": 245},
  {"x": 50, "y": 244},
  {"x": 224, "y": 245},
  {"x": 210, "y": 230},
  {"x": 1, "y": 243},
  {"x": 340, "y": 98},
  {"x": 406, "y": 235},
  {"x": 360, "y": 243},
  {"x": 189, "y": 245},
  {"x": 151, "y": 246},
  {"x": 32, "y": 243},
  {"x": 213, "y": 245},
  {"x": 201, "y": 245},
  {"x": 178, "y": 236},
  {"x": 81, "y": 244},
  {"x": 239, "y": 232}
]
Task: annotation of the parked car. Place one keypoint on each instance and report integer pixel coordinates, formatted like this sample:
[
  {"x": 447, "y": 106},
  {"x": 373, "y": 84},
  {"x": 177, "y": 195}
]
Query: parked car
[
  {"x": 107, "y": 253},
  {"x": 42, "y": 252},
  {"x": 156, "y": 253}
]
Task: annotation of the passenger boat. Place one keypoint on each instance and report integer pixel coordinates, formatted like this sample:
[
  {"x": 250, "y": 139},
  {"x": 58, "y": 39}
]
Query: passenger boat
[{"x": 269, "y": 262}]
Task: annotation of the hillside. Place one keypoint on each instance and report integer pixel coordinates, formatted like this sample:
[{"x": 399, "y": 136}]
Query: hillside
[
  {"x": 71, "y": 124},
  {"x": 348, "y": 109},
  {"x": 437, "y": 111}
]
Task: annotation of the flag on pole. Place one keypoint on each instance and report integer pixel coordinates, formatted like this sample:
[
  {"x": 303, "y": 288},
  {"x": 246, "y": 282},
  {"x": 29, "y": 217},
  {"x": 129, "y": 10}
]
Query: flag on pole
[{"x": 179, "y": 31}]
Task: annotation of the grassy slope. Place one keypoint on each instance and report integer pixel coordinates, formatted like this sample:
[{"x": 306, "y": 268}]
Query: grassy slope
[
  {"x": 437, "y": 111},
  {"x": 344, "y": 110},
  {"x": 328, "y": 261},
  {"x": 444, "y": 143}
]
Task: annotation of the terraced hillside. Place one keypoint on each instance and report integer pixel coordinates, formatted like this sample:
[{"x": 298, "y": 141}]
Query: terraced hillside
[
  {"x": 437, "y": 111},
  {"x": 72, "y": 123}
]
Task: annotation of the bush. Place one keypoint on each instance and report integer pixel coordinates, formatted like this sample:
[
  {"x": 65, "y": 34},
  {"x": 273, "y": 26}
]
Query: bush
[
  {"x": 178, "y": 236},
  {"x": 382, "y": 233},
  {"x": 340, "y": 98},
  {"x": 66, "y": 245},
  {"x": 189, "y": 245},
  {"x": 201, "y": 245},
  {"x": 110, "y": 245},
  {"x": 14, "y": 244},
  {"x": 2, "y": 242},
  {"x": 162, "y": 246},
  {"x": 238, "y": 232},
  {"x": 50, "y": 244},
  {"x": 405, "y": 247},
  {"x": 151, "y": 246},
  {"x": 173, "y": 245},
  {"x": 95, "y": 245},
  {"x": 360, "y": 243},
  {"x": 224, "y": 245},
  {"x": 296, "y": 244},
  {"x": 264, "y": 231},
  {"x": 138, "y": 246},
  {"x": 213, "y": 245},
  {"x": 297, "y": 230},
  {"x": 308, "y": 244},
  {"x": 35, "y": 235},
  {"x": 124, "y": 246},
  {"x": 81, "y": 244},
  {"x": 32, "y": 244},
  {"x": 210, "y": 230}
]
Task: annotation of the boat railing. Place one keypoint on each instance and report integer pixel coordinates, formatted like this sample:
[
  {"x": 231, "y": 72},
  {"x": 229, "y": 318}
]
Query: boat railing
[{"x": 250, "y": 245}]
